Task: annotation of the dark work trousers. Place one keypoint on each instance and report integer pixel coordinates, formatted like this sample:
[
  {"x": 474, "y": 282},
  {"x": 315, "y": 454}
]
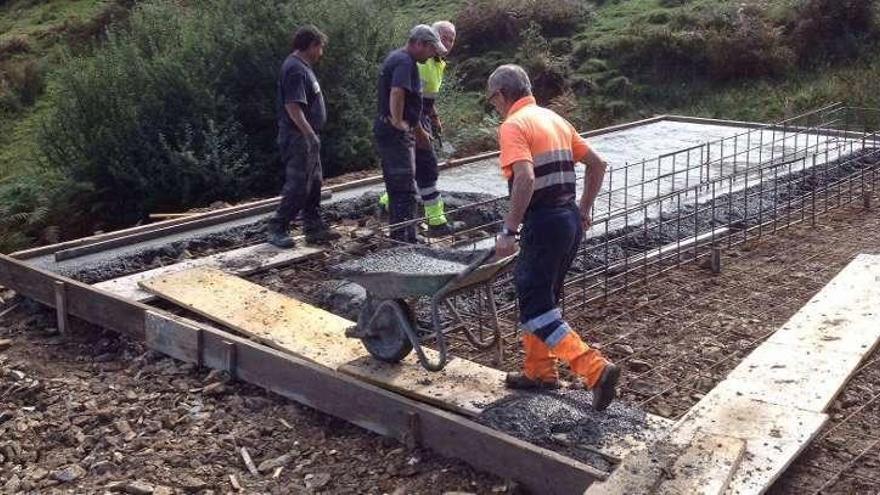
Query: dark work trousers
[
  {"x": 397, "y": 152},
  {"x": 426, "y": 169},
  {"x": 302, "y": 186},
  {"x": 550, "y": 239}
]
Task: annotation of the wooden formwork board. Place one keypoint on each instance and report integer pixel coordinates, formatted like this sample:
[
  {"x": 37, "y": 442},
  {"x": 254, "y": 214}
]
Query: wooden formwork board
[{"x": 313, "y": 385}]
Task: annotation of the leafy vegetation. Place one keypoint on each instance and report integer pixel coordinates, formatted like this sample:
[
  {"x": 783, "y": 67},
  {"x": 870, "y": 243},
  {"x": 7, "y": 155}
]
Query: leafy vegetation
[{"x": 112, "y": 109}]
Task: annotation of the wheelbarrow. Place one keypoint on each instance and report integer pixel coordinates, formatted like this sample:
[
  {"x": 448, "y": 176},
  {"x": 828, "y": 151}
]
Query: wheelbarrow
[{"x": 387, "y": 324}]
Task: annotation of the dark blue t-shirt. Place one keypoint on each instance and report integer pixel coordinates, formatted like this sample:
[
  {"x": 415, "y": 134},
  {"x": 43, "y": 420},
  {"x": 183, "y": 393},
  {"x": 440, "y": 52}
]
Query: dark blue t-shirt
[
  {"x": 297, "y": 84},
  {"x": 400, "y": 70}
]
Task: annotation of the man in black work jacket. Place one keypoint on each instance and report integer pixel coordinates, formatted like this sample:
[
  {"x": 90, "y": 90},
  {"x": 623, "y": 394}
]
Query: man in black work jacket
[{"x": 301, "y": 114}]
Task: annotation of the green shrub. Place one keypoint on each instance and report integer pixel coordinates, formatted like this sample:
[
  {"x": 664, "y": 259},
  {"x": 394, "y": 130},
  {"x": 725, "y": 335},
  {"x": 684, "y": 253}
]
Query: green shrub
[
  {"x": 485, "y": 25},
  {"x": 179, "y": 108},
  {"x": 819, "y": 29}
]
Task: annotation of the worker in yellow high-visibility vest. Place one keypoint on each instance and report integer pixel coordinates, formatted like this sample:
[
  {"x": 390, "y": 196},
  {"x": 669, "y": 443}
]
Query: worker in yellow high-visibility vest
[{"x": 431, "y": 73}]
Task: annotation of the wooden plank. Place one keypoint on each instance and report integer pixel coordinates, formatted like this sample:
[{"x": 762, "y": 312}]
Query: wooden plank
[
  {"x": 703, "y": 466},
  {"x": 787, "y": 375},
  {"x": 83, "y": 301},
  {"x": 462, "y": 386},
  {"x": 774, "y": 435},
  {"x": 242, "y": 261},
  {"x": 267, "y": 316},
  {"x": 302, "y": 330}
]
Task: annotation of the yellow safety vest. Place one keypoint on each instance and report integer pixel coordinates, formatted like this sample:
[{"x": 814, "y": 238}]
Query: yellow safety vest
[{"x": 431, "y": 73}]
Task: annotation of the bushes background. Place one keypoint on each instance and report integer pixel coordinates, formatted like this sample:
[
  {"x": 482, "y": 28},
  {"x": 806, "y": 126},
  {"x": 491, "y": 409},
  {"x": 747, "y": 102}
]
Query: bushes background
[{"x": 179, "y": 109}]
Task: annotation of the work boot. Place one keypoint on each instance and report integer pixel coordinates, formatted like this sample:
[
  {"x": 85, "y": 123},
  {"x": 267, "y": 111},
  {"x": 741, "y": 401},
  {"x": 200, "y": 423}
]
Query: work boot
[
  {"x": 320, "y": 233},
  {"x": 606, "y": 388},
  {"x": 519, "y": 381},
  {"x": 279, "y": 238},
  {"x": 444, "y": 229}
]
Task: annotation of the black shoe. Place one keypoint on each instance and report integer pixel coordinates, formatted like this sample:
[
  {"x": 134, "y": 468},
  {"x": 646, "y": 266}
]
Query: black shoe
[
  {"x": 321, "y": 236},
  {"x": 281, "y": 240},
  {"x": 606, "y": 388},
  {"x": 519, "y": 381},
  {"x": 444, "y": 229}
]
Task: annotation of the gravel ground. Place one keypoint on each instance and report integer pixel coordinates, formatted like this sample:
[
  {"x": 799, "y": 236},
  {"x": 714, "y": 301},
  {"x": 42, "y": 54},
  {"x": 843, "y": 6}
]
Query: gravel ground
[{"x": 95, "y": 413}]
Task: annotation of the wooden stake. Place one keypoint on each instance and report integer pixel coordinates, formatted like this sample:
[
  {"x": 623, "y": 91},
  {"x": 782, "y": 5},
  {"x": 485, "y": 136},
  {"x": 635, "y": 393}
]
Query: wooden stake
[
  {"x": 715, "y": 264},
  {"x": 61, "y": 307},
  {"x": 231, "y": 359}
]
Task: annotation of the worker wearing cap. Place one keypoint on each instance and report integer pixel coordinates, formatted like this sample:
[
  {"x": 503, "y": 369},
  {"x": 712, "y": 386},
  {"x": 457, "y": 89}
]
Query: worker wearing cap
[
  {"x": 431, "y": 74},
  {"x": 397, "y": 127},
  {"x": 539, "y": 150}
]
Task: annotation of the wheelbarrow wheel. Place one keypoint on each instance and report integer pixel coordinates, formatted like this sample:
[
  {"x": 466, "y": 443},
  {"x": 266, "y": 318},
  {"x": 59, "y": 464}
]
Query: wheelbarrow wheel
[{"x": 386, "y": 337}]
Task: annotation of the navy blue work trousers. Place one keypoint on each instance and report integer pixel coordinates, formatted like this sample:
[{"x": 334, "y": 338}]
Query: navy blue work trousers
[{"x": 548, "y": 245}]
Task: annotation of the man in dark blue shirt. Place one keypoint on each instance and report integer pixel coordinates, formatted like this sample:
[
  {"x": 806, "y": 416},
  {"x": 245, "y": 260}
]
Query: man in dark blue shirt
[
  {"x": 301, "y": 115},
  {"x": 397, "y": 125}
]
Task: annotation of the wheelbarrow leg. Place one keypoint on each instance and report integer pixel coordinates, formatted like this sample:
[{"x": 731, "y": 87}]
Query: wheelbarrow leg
[{"x": 496, "y": 327}]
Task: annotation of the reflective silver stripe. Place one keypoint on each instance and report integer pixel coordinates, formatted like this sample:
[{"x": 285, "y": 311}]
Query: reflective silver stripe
[
  {"x": 542, "y": 320},
  {"x": 556, "y": 337},
  {"x": 430, "y": 96},
  {"x": 431, "y": 202},
  {"x": 553, "y": 157},
  {"x": 428, "y": 190},
  {"x": 554, "y": 179}
]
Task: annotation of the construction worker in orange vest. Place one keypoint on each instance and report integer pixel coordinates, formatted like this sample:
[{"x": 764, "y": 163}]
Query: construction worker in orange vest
[{"x": 539, "y": 150}]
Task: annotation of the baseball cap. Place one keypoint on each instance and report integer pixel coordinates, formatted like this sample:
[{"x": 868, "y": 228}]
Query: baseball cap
[{"x": 425, "y": 33}]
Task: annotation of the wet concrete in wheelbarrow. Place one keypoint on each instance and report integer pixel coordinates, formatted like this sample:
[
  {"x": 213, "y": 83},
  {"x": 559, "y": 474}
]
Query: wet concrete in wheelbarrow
[
  {"x": 410, "y": 261},
  {"x": 564, "y": 421}
]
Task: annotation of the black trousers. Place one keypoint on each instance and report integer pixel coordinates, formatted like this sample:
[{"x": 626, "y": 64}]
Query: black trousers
[
  {"x": 302, "y": 186},
  {"x": 398, "y": 154},
  {"x": 427, "y": 169}
]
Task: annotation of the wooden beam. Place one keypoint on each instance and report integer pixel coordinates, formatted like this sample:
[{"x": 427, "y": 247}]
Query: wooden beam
[
  {"x": 83, "y": 301},
  {"x": 61, "y": 308}
]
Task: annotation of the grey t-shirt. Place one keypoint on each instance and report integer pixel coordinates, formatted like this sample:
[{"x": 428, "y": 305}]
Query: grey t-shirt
[
  {"x": 297, "y": 84},
  {"x": 400, "y": 70}
]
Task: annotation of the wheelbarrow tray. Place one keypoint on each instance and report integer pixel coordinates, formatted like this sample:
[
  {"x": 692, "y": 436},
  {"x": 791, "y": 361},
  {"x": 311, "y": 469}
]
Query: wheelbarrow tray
[{"x": 378, "y": 274}]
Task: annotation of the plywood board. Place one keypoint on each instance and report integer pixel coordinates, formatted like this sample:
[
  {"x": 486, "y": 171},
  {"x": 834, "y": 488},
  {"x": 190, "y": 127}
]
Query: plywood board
[
  {"x": 269, "y": 317},
  {"x": 242, "y": 261},
  {"x": 792, "y": 376},
  {"x": 774, "y": 435},
  {"x": 462, "y": 386},
  {"x": 703, "y": 466}
]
